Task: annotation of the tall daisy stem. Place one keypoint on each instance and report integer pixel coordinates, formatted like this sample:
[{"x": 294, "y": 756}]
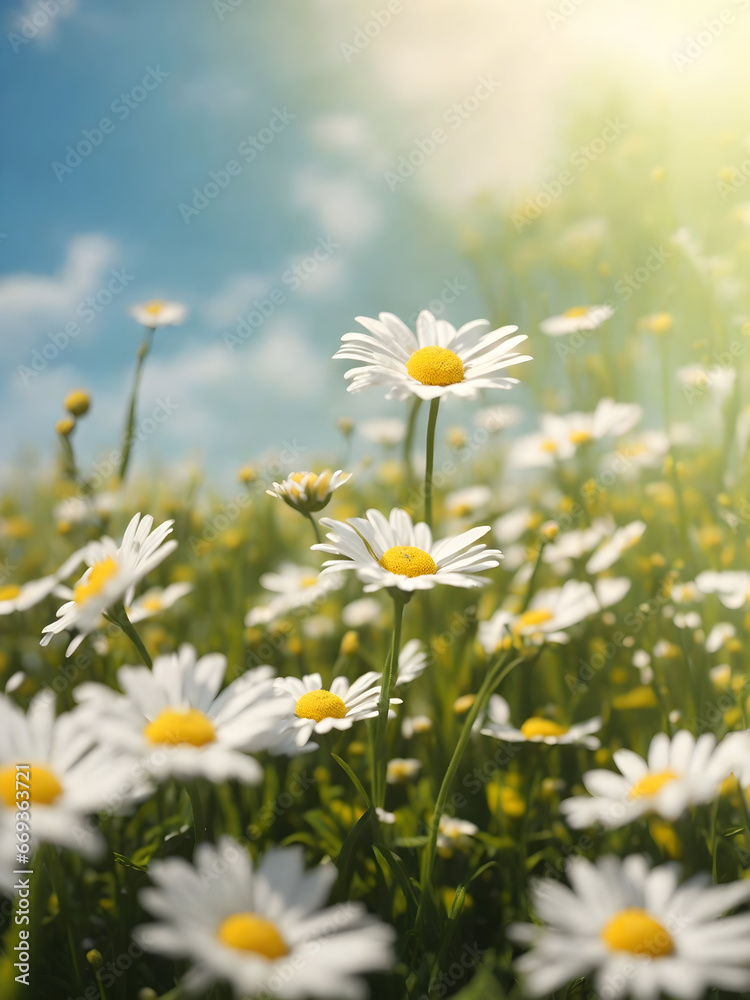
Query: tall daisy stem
[
  {"x": 314, "y": 524},
  {"x": 380, "y": 755},
  {"x": 127, "y": 441},
  {"x": 119, "y": 616},
  {"x": 493, "y": 677},
  {"x": 409, "y": 439},
  {"x": 199, "y": 813},
  {"x": 430, "y": 460}
]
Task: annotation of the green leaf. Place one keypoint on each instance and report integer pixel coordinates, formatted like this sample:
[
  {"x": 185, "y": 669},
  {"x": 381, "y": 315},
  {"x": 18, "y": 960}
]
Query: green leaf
[
  {"x": 353, "y": 778},
  {"x": 393, "y": 863}
]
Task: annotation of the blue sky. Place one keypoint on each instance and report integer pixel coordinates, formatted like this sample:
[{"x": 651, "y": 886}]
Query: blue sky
[{"x": 338, "y": 114}]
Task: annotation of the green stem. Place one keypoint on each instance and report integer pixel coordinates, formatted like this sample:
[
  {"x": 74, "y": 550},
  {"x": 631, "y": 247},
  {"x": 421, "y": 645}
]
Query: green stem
[
  {"x": 314, "y": 524},
  {"x": 389, "y": 676},
  {"x": 57, "y": 878},
  {"x": 493, "y": 677},
  {"x": 199, "y": 815},
  {"x": 127, "y": 442},
  {"x": 431, "y": 424},
  {"x": 119, "y": 616}
]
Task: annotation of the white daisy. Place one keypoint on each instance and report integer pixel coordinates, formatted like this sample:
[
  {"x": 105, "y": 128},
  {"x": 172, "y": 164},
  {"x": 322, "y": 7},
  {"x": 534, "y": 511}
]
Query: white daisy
[
  {"x": 395, "y": 552},
  {"x": 510, "y": 527},
  {"x": 294, "y": 587},
  {"x": 174, "y": 720},
  {"x": 732, "y": 586},
  {"x": 388, "y": 431},
  {"x": 537, "y": 729},
  {"x": 68, "y": 777},
  {"x": 157, "y": 599},
  {"x": 468, "y": 501},
  {"x": 263, "y": 929},
  {"x": 112, "y": 575},
  {"x": 401, "y": 770},
  {"x": 550, "y": 612},
  {"x": 438, "y": 361},
  {"x": 719, "y": 635},
  {"x": 309, "y": 491},
  {"x": 561, "y": 435},
  {"x": 577, "y": 543},
  {"x": 498, "y": 418},
  {"x": 21, "y": 597},
  {"x": 158, "y": 313},
  {"x": 611, "y": 550},
  {"x": 680, "y": 772},
  {"x": 642, "y": 933},
  {"x": 310, "y": 708},
  {"x": 576, "y": 318},
  {"x": 363, "y": 611},
  {"x": 454, "y": 834}
]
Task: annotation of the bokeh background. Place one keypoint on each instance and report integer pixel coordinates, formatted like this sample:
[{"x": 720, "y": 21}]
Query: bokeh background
[{"x": 335, "y": 92}]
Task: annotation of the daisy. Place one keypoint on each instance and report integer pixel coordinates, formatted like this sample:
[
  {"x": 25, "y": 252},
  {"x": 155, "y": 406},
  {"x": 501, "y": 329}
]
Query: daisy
[
  {"x": 21, "y": 597},
  {"x": 309, "y": 491},
  {"x": 577, "y": 543},
  {"x": 576, "y": 318},
  {"x": 388, "y": 431},
  {"x": 454, "y": 835},
  {"x": 363, "y": 611},
  {"x": 537, "y": 729},
  {"x": 678, "y": 773},
  {"x": 498, "y": 418},
  {"x": 157, "y": 599},
  {"x": 622, "y": 539},
  {"x": 111, "y": 577},
  {"x": 158, "y": 313},
  {"x": 68, "y": 777},
  {"x": 468, "y": 501},
  {"x": 550, "y": 612},
  {"x": 412, "y": 662},
  {"x": 401, "y": 770},
  {"x": 261, "y": 928},
  {"x": 396, "y": 553},
  {"x": 294, "y": 587},
  {"x": 310, "y": 708},
  {"x": 642, "y": 933},
  {"x": 175, "y": 722},
  {"x": 438, "y": 361},
  {"x": 732, "y": 586}
]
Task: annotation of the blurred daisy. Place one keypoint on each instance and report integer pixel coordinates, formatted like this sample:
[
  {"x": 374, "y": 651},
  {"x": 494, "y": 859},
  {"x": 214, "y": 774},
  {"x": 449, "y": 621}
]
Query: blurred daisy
[
  {"x": 454, "y": 835},
  {"x": 68, "y": 777},
  {"x": 732, "y": 586},
  {"x": 412, "y": 662},
  {"x": 576, "y": 318},
  {"x": 309, "y": 491},
  {"x": 468, "y": 501},
  {"x": 576, "y": 544},
  {"x": 157, "y": 599},
  {"x": 678, "y": 773},
  {"x": 561, "y": 435},
  {"x": 387, "y": 432},
  {"x": 21, "y": 597},
  {"x": 537, "y": 729},
  {"x": 498, "y": 418},
  {"x": 550, "y": 612},
  {"x": 261, "y": 928},
  {"x": 512, "y": 526},
  {"x": 174, "y": 720},
  {"x": 295, "y": 587},
  {"x": 157, "y": 313},
  {"x": 719, "y": 635},
  {"x": 364, "y": 611},
  {"x": 395, "y": 552},
  {"x": 310, "y": 708},
  {"x": 622, "y": 539},
  {"x": 401, "y": 770},
  {"x": 637, "y": 929},
  {"x": 112, "y": 576},
  {"x": 438, "y": 361}
]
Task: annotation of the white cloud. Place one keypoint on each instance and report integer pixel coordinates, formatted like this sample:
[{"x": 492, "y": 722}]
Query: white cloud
[
  {"x": 344, "y": 207},
  {"x": 26, "y": 298},
  {"x": 236, "y": 297}
]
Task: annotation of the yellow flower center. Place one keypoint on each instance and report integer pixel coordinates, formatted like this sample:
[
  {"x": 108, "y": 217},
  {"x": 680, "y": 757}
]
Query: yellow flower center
[
  {"x": 176, "y": 726},
  {"x": 9, "y": 592},
  {"x": 249, "y": 932},
  {"x": 408, "y": 560},
  {"x": 435, "y": 366},
  {"x": 536, "y": 726},
  {"x": 580, "y": 437},
  {"x": 319, "y": 705},
  {"x": 636, "y": 931},
  {"x": 100, "y": 574},
  {"x": 154, "y": 307},
  {"x": 152, "y": 603},
  {"x": 43, "y": 786},
  {"x": 651, "y": 784},
  {"x": 299, "y": 476},
  {"x": 575, "y": 311},
  {"x": 309, "y": 581},
  {"x": 549, "y": 446}
]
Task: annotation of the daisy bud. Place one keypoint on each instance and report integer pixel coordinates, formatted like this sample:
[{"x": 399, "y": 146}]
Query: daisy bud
[
  {"x": 94, "y": 958},
  {"x": 77, "y": 402},
  {"x": 247, "y": 474},
  {"x": 462, "y": 705},
  {"x": 345, "y": 426},
  {"x": 64, "y": 426},
  {"x": 549, "y": 530},
  {"x": 349, "y": 643},
  {"x": 309, "y": 491}
]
